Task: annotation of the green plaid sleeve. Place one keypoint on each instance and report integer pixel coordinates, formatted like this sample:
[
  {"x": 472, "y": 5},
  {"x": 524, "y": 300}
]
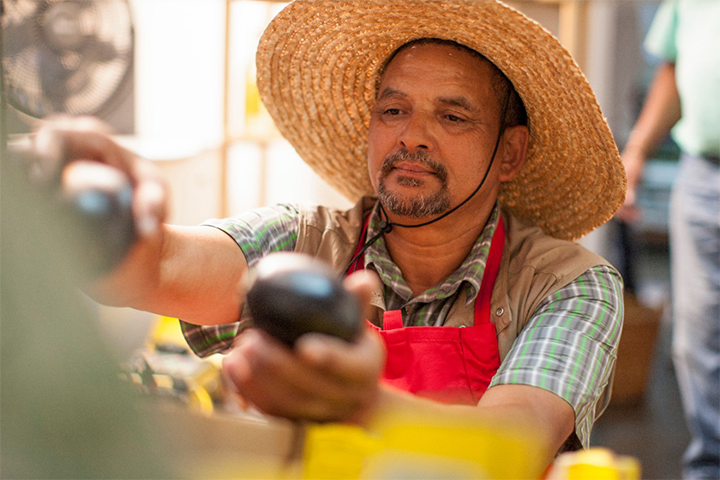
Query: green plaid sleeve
[
  {"x": 262, "y": 231},
  {"x": 257, "y": 233},
  {"x": 569, "y": 345}
]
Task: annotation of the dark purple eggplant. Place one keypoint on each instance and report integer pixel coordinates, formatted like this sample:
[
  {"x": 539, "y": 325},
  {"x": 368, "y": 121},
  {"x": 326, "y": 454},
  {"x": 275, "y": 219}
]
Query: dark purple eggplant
[{"x": 292, "y": 294}]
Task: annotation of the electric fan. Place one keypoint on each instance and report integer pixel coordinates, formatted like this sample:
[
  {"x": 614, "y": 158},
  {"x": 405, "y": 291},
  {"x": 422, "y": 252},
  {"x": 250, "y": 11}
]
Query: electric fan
[{"x": 66, "y": 56}]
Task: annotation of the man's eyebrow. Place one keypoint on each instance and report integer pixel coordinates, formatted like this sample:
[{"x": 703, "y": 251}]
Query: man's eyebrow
[
  {"x": 456, "y": 101},
  {"x": 461, "y": 102},
  {"x": 390, "y": 92}
]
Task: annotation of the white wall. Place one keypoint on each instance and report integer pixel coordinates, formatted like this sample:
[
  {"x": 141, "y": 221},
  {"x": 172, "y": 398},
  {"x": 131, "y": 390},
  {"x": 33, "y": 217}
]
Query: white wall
[
  {"x": 179, "y": 70},
  {"x": 179, "y": 110}
]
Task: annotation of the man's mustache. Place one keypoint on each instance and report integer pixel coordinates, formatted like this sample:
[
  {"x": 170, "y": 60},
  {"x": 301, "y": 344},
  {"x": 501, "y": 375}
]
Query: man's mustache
[{"x": 420, "y": 157}]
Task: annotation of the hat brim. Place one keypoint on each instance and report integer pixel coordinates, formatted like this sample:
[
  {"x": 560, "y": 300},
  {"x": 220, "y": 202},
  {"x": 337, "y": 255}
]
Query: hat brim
[{"x": 318, "y": 62}]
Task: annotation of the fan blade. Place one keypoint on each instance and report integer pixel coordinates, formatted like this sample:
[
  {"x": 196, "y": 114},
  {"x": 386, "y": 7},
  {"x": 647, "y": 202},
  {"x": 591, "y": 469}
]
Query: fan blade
[
  {"x": 84, "y": 4},
  {"x": 99, "y": 51},
  {"x": 18, "y": 33},
  {"x": 23, "y": 81},
  {"x": 53, "y": 79}
]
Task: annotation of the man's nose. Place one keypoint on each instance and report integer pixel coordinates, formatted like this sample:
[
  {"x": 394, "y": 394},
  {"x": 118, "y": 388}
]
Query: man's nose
[{"x": 416, "y": 134}]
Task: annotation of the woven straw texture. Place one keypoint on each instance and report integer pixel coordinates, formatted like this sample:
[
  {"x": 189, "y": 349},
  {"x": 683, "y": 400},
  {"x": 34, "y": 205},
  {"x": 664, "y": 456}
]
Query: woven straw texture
[{"x": 318, "y": 62}]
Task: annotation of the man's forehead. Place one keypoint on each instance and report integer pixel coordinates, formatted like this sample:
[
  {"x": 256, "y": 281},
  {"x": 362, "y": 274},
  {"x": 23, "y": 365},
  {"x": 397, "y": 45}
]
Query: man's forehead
[
  {"x": 431, "y": 56},
  {"x": 441, "y": 62},
  {"x": 448, "y": 50}
]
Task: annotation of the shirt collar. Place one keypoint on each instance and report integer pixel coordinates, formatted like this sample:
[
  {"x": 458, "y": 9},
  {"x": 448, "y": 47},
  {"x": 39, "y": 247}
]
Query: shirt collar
[{"x": 470, "y": 271}]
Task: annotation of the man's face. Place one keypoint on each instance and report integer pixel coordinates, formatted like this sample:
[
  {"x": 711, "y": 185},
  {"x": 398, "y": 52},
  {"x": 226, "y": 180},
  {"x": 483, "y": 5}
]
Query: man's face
[{"x": 432, "y": 131}]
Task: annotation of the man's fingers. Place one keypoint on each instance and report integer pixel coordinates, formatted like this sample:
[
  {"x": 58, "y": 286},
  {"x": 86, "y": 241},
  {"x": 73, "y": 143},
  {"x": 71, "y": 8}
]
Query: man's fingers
[
  {"x": 269, "y": 359},
  {"x": 65, "y": 138},
  {"x": 340, "y": 358},
  {"x": 62, "y": 139},
  {"x": 280, "y": 382},
  {"x": 265, "y": 373}
]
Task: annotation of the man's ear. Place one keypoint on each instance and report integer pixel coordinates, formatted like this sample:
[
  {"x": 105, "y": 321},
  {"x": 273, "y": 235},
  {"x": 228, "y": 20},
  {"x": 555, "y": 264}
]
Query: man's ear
[{"x": 515, "y": 143}]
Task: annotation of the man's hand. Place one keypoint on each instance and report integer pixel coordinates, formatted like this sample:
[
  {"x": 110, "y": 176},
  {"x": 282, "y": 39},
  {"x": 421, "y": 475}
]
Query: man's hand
[
  {"x": 634, "y": 161},
  {"x": 321, "y": 378},
  {"x": 61, "y": 140},
  {"x": 191, "y": 273},
  {"x": 63, "y": 150}
]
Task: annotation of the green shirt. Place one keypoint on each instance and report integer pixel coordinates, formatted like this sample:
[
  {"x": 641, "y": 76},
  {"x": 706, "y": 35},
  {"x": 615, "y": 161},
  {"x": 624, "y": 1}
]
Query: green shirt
[{"x": 687, "y": 33}]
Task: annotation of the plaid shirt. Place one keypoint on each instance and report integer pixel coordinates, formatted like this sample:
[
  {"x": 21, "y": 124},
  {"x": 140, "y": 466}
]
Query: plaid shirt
[
  {"x": 431, "y": 307},
  {"x": 566, "y": 348}
]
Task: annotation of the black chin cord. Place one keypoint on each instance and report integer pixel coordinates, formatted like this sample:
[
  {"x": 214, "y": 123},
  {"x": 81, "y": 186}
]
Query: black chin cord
[{"x": 386, "y": 226}]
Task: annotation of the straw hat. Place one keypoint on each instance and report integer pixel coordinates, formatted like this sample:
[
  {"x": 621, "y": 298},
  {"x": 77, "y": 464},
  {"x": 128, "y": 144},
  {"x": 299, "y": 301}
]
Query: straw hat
[{"x": 318, "y": 62}]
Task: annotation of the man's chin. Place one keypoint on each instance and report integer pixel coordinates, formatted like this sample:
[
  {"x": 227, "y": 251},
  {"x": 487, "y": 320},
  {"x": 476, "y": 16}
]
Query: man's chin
[{"x": 414, "y": 206}]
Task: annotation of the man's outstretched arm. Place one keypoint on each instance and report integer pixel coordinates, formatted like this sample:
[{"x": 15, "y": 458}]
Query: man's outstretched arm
[{"x": 188, "y": 272}]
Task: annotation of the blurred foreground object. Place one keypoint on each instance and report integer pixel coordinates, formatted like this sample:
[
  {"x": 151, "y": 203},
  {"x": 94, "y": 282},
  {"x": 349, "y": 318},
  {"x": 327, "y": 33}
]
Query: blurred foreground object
[
  {"x": 98, "y": 201},
  {"x": 594, "y": 464},
  {"x": 187, "y": 395},
  {"x": 91, "y": 200},
  {"x": 403, "y": 445},
  {"x": 64, "y": 412}
]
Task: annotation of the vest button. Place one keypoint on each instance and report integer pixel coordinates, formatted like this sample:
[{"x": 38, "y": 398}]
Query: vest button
[{"x": 499, "y": 311}]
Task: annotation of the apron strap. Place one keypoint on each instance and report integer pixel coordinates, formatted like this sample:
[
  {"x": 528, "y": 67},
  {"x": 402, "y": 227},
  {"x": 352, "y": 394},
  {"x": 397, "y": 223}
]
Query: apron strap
[
  {"x": 492, "y": 266},
  {"x": 359, "y": 263},
  {"x": 392, "y": 319}
]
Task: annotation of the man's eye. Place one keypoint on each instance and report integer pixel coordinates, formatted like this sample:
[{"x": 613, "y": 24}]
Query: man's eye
[
  {"x": 453, "y": 118},
  {"x": 392, "y": 111}
]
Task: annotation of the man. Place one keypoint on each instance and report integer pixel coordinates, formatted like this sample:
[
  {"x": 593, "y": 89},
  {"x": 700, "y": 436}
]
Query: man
[
  {"x": 477, "y": 132},
  {"x": 684, "y": 97}
]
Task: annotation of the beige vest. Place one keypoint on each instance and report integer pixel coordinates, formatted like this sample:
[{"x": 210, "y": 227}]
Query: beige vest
[{"x": 533, "y": 266}]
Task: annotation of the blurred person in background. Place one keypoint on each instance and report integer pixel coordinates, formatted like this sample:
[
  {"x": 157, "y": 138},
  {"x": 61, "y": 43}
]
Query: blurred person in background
[{"x": 684, "y": 98}]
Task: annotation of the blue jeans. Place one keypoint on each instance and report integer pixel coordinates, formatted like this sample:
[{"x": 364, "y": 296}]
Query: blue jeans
[{"x": 695, "y": 254}]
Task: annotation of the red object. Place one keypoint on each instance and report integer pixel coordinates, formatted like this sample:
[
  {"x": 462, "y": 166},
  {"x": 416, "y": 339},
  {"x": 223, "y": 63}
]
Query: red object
[{"x": 447, "y": 364}]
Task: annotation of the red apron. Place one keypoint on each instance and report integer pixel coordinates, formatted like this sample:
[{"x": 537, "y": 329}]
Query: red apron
[{"x": 447, "y": 364}]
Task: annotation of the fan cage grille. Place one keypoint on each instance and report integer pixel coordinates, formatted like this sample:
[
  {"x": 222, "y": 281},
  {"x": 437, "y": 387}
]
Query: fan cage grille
[{"x": 66, "y": 56}]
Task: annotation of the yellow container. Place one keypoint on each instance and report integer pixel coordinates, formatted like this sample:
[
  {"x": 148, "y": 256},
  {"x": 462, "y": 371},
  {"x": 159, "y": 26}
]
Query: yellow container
[
  {"x": 410, "y": 446},
  {"x": 595, "y": 464}
]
